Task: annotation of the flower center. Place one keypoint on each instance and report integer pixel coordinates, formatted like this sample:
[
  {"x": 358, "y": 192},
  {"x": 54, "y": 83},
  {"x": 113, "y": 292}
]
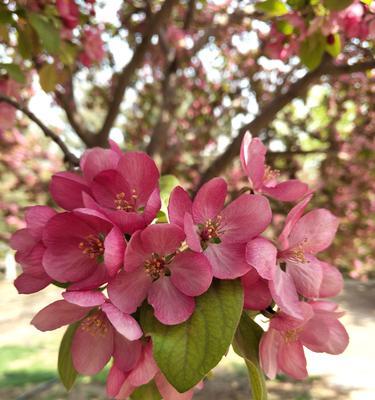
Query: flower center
[
  {"x": 93, "y": 246},
  {"x": 95, "y": 324},
  {"x": 155, "y": 266},
  {"x": 270, "y": 175},
  {"x": 126, "y": 204},
  {"x": 210, "y": 231},
  {"x": 291, "y": 335}
]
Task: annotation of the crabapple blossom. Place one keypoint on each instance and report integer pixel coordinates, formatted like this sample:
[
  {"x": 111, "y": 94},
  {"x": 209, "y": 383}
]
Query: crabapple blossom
[{"x": 93, "y": 47}]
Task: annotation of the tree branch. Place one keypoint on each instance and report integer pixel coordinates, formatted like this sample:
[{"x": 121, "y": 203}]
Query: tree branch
[
  {"x": 269, "y": 112},
  {"x": 127, "y": 73},
  {"x": 68, "y": 156}
]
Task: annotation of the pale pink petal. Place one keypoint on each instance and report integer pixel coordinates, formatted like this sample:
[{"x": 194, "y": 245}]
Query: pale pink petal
[
  {"x": 145, "y": 369},
  {"x": 114, "y": 248},
  {"x": 244, "y": 218},
  {"x": 315, "y": 231},
  {"x": 291, "y": 359},
  {"x": 227, "y": 260},
  {"x": 332, "y": 282},
  {"x": 307, "y": 276},
  {"x": 284, "y": 322},
  {"x": 179, "y": 204},
  {"x": 268, "y": 349},
  {"x": 36, "y": 218},
  {"x": 66, "y": 189},
  {"x": 170, "y": 305},
  {"x": 261, "y": 254},
  {"x": 253, "y": 154},
  {"x": 97, "y": 160},
  {"x": 128, "y": 290},
  {"x": 168, "y": 392},
  {"x": 135, "y": 254},
  {"x": 192, "y": 236},
  {"x": 57, "y": 314},
  {"x": 292, "y": 190},
  {"x": 257, "y": 295},
  {"x": 191, "y": 273},
  {"x": 115, "y": 147},
  {"x": 124, "y": 324},
  {"x": 88, "y": 298},
  {"x": 92, "y": 346},
  {"x": 115, "y": 379},
  {"x": 209, "y": 200},
  {"x": 162, "y": 239},
  {"x": 26, "y": 284},
  {"x": 126, "y": 353}
]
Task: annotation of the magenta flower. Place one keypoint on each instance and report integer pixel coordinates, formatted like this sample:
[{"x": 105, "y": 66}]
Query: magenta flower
[
  {"x": 262, "y": 178},
  {"x": 292, "y": 267},
  {"x": 69, "y": 12},
  {"x": 83, "y": 247},
  {"x": 281, "y": 347},
  {"x": 257, "y": 295},
  {"x": 30, "y": 250},
  {"x": 103, "y": 331},
  {"x": 156, "y": 270},
  {"x": 221, "y": 233}
]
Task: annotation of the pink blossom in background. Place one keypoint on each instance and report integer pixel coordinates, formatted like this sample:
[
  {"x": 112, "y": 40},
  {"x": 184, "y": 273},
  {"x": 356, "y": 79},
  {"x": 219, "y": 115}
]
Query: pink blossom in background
[
  {"x": 69, "y": 13},
  {"x": 350, "y": 20},
  {"x": 221, "y": 233},
  {"x": 10, "y": 88},
  {"x": 281, "y": 347},
  {"x": 93, "y": 47},
  {"x": 154, "y": 269}
]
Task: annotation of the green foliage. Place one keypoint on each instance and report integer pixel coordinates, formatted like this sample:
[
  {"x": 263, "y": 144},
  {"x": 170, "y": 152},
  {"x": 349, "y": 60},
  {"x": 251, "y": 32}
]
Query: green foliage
[
  {"x": 337, "y": 5},
  {"x": 146, "y": 392},
  {"x": 49, "y": 36},
  {"x": 285, "y": 27},
  {"x": 14, "y": 71},
  {"x": 166, "y": 183},
  {"x": 67, "y": 372},
  {"x": 274, "y": 8},
  {"x": 246, "y": 344},
  {"x": 185, "y": 353},
  {"x": 334, "y": 49},
  {"x": 312, "y": 50},
  {"x": 48, "y": 77}
]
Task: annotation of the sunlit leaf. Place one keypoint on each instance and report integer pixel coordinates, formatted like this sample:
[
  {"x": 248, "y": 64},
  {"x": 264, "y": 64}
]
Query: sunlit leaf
[
  {"x": 48, "y": 34},
  {"x": 14, "y": 71},
  {"x": 67, "y": 372},
  {"x": 274, "y": 8}
]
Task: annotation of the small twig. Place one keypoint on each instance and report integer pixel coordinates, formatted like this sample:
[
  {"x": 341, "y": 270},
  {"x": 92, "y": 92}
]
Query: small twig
[{"x": 68, "y": 156}]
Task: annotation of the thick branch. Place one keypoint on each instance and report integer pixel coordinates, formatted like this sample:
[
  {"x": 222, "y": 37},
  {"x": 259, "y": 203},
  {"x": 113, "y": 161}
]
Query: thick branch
[
  {"x": 269, "y": 112},
  {"x": 68, "y": 156},
  {"x": 127, "y": 73}
]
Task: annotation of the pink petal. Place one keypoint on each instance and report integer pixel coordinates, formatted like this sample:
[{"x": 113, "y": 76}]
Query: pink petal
[
  {"x": 128, "y": 222},
  {"x": 141, "y": 173},
  {"x": 114, "y": 245},
  {"x": 171, "y": 306},
  {"x": 179, "y": 204},
  {"x": 93, "y": 281},
  {"x": 36, "y": 218},
  {"x": 284, "y": 293},
  {"x": 26, "y": 284},
  {"x": 291, "y": 219},
  {"x": 168, "y": 392},
  {"x": 115, "y": 147},
  {"x": 191, "y": 273},
  {"x": 307, "y": 276},
  {"x": 92, "y": 346},
  {"x": 257, "y": 295},
  {"x": 315, "y": 230},
  {"x": 291, "y": 190},
  {"x": 284, "y": 322},
  {"x": 244, "y": 218},
  {"x": 192, "y": 236},
  {"x": 261, "y": 254},
  {"x": 268, "y": 348},
  {"x": 135, "y": 254},
  {"x": 152, "y": 207},
  {"x": 162, "y": 239},
  {"x": 145, "y": 370},
  {"x": 128, "y": 290},
  {"x": 209, "y": 200},
  {"x": 97, "y": 160},
  {"x": 89, "y": 298},
  {"x": 22, "y": 241},
  {"x": 227, "y": 260},
  {"x": 66, "y": 189},
  {"x": 115, "y": 379},
  {"x": 253, "y": 154},
  {"x": 124, "y": 324},
  {"x": 57, "y": 314},
  {"x": 332, "y": 282},
  {"x": 127, "y": 353},
  {"x": 291, "y": 360}
]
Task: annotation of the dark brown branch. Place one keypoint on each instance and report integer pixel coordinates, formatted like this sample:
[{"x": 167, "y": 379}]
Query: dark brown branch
[
  {"x": 127, "y": 73},
  {"x": 269, "y": 112},
  {"x": 68, "y": 156}
]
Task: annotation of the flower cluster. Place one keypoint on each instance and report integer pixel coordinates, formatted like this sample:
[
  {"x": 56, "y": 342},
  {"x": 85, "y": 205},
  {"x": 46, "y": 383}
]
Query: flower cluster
[{"x": 114, "y": 253}]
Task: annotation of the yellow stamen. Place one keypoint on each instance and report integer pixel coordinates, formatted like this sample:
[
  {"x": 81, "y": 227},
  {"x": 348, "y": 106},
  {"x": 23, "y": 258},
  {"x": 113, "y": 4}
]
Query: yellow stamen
[{"x": 93, "y": 246}]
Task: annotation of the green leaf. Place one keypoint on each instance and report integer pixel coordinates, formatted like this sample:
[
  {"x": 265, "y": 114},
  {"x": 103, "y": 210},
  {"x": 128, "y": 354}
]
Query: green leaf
[
  {"x": 297, "y": 4},
  {"x": 246, "y": 344},
  {"x": 312, "y": 50},
  {"x": 167, "y": 183},
  {"x": 48, "y": 77},
  {"x": 185, "y": 353},
  {"x": 67, "y": 372},
  {"x": 334, "y": 49},
  {"x": 368, "y": 2},
  {"x": 274, "y": 8},
  {"x": 48, "y": 34},
  {"x": 146, "y": 392},
  {"x": 14, "y": 71},
  {"x": 285, "y": 27},
  {"x": 337, "y": 5}
]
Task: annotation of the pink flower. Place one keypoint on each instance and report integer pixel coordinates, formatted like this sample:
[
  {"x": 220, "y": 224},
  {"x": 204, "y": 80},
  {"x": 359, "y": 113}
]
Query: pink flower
[
  {"x": 104, "y": 331},
  {"x": 281, "y": 347},
  {"x": 292, "y": 267},
  {"x": 122, "y": 384},
  {"x": 10, "y": 88},
  {"x": 257, "y": 295},
  {"x": 83, "y": 247},
  {"x": 93, "y": 47},
  {"x": 156, "y": 270},
  {"x": 262, "y": 178},
  {"x": 69, "y": 13},
  {"x": 221, "y": 233},
  {"x": 30, "y": 250},
  {"x": 351, "y": 22},
  {"x": 124, "y": 187}
]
